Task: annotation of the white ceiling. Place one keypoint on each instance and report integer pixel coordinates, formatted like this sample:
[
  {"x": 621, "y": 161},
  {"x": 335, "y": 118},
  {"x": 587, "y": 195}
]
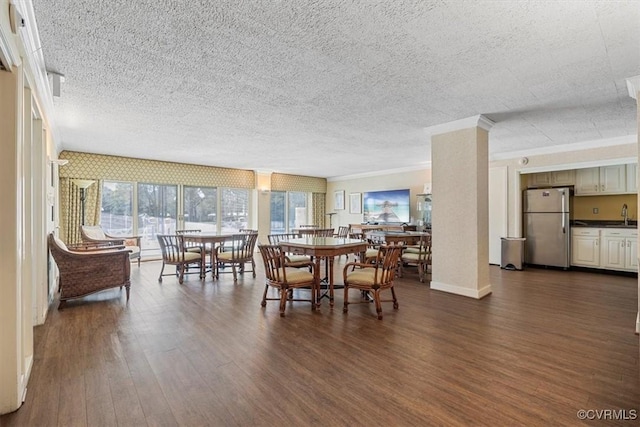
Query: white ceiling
[{"x": 334, "y": 87}]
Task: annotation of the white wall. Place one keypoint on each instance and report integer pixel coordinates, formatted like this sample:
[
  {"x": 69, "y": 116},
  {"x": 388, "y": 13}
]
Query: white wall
[
  {"x": 606, "y": 155},
  {"x": 416, "y": 178},
  {"x": 412, "y": 179}
]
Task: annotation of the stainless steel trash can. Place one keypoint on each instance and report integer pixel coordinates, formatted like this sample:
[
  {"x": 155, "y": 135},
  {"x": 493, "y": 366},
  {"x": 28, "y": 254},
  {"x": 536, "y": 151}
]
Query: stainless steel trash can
[{"x": 512, "y": 253}]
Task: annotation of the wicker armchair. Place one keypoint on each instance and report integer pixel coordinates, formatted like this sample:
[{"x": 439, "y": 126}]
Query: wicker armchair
[
  {"x": 87, "y": 271},
  {"x": 95, "y": 234}
]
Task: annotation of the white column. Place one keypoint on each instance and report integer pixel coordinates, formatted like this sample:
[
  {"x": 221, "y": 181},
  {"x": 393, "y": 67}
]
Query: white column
[
  {"x": 263, "y": 189},
  {"x": 12, "y": 378},
  {"x": 633, "y": 85},
  {"x": 29, "y": 248},
  {"x": 460, "y": 223}
]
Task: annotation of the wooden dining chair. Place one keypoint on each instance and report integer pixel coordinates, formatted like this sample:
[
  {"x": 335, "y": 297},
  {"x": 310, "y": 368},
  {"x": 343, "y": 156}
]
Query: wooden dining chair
[
  {"x": 175, "y": 253},
  {"x": 285, "y": 279},
  {"x": 237, "y": 254},
  {"x": 373, "y": 278},
  {"x": 343, "y": 232},
  {"x": 292, "y": 260},
  {"x": 418, "y": 255}
]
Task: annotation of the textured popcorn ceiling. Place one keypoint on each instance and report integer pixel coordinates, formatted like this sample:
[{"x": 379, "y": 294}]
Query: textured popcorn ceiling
[{"x": 334, "y": 87}]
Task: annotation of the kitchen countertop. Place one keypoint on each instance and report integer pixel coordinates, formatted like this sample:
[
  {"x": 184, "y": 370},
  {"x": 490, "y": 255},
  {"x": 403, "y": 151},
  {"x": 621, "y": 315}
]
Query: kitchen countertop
[{"x": 603, "y": 224}]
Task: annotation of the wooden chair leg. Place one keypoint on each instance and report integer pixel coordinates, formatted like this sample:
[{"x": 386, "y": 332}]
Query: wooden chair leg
[
  {"x": 395, "y": 300},
  {"x": 345, "y": 309},
  {"x": 264, "y": 296},
  {"x": 161, "y": 271},
  {"x": 376, "y": 297},
  {"x": 283, "y": 301}
]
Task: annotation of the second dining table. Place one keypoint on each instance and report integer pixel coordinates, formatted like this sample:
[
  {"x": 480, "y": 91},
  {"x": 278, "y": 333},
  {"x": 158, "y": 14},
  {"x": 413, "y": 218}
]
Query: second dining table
[
  {"x": 205, "y": 238},
  {"x": 323, "y": 248}
]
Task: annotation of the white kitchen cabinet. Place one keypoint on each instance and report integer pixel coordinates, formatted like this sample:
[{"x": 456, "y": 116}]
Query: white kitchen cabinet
[
  {"x": 619, "y": 249},
  {"x": 585, "y": 247},
  {"x": 602, "y": 180},
  {"x": 631, "y": 255},
  {"x": 612, "y": 251},
  {"x": 613, "y": 179},
  {"x": 567, "y": 177},
  {"x": 632, "y": 178},
  {"x": 587, "y": 181},
  {"x": 551, "y": 179},
  {"x": 541, "y": 179}
]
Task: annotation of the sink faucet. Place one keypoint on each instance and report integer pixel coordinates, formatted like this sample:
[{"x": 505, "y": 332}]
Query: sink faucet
[{"x": 624, "y": 214}]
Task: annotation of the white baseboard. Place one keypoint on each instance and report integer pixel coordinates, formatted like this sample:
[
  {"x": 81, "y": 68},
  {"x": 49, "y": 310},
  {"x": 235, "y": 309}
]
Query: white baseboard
[
  {"x": 459, "y": 290},
  {"x": 638, "y": 323}
]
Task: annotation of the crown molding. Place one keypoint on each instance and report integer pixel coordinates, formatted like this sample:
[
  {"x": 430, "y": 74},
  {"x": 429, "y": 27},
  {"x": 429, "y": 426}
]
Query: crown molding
[
  {"x": 633, "y": 86},
  {"x": 424, "y": 166},
  {"x": 35, "y": 69},
  {"x": 9, "y": 54},
  {"x": 480, "y": 121},
  {"x": 578, "y": 146}
]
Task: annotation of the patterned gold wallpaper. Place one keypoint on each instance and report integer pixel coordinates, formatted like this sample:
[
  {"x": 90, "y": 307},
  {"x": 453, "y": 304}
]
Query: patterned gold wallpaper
[
  {"x": 284, "y": 182},
  {"x": 98, "y": 166}
]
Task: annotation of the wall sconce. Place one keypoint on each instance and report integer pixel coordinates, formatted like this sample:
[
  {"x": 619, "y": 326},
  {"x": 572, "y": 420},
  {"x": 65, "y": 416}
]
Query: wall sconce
[
  {"x": 263, "y": 182},
  {"x": 83, "y": 184},
  {"x": 59, "y": 162}
]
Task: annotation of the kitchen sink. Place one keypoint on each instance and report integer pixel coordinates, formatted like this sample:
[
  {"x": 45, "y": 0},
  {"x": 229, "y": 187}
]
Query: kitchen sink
[{"x": 621, "y": 225}]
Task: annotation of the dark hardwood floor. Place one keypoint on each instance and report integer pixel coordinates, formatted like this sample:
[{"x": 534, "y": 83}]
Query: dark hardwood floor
[{"x": 544, "y": 345}]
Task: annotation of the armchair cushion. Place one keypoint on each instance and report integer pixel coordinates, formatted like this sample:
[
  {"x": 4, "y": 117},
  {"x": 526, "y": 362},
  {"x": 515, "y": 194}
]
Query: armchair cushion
[
  {"x": 363, "y": 276},
  {"x": 296, "y": 275}
]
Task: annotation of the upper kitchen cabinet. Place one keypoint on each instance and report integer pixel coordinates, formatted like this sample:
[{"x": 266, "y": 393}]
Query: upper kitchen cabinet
[
  {"x": 602, "y": 180},
  {"x": 559, "y": 178},
  {"x": 551, "y": 179},
  {"x": 542, "y": 179},
  {"x": 632, "y": 178}
]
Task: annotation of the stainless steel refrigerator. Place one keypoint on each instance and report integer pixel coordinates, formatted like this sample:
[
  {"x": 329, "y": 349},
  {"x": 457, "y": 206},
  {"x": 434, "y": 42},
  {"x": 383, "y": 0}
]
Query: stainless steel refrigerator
[{"x": 546, "y": 221}]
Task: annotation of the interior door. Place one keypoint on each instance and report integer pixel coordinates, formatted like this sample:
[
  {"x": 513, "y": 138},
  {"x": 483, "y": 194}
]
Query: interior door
[{"x": 497, "y": 212}]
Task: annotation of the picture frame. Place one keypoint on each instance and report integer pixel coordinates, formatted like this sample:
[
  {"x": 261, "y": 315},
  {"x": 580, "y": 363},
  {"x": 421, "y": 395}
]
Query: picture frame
[
  {"x": 338, "y": 199},
  {"x": 355, "y": 203}
]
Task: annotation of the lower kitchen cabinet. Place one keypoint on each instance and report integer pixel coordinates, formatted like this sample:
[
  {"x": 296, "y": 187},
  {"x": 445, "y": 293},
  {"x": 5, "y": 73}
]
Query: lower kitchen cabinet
[
  {"x": 619, "y": 249},
  {"x": 607, "y": 248},
  {"x": 585, "y": 247}
]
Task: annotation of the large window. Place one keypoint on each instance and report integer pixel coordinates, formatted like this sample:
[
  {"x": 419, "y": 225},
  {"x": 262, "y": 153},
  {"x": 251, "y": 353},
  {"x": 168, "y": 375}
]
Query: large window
[
  {"x": 278, "y": 217},
  {"x": 293, "y": 216},
  {"x": 157, "y": 212},
  {"x": 200, "y": 208},
  {"x": 234, "y": 209},
  {"x": 297, "y": 209},
  {"x": 117, "y": 208}
]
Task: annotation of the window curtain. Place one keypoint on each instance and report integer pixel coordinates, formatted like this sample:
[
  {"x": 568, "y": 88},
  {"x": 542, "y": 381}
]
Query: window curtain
[
  {"x": 318, "y": 200},
  {"x": 71, "y": 210}
]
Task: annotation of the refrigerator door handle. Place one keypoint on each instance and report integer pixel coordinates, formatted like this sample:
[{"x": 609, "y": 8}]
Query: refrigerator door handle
[{"x": 564, "y": 226}]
